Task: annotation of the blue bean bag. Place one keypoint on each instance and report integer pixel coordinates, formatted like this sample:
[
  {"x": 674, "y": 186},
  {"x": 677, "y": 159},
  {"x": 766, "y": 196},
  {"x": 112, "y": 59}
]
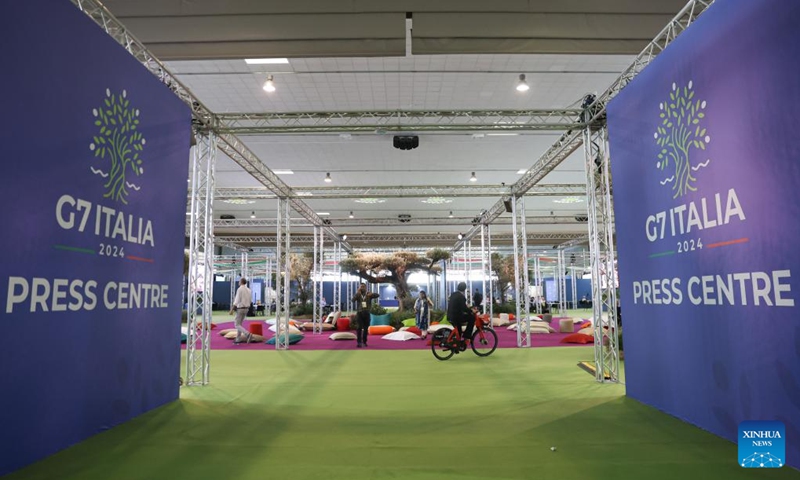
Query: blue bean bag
[{"x": 293, "y": 338}]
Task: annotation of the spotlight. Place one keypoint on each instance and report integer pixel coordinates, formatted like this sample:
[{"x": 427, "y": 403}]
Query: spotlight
[
  {"x": 405, "y": 142},
  {"x": 269, "y": 85},
  {"x": 522, "y": 85},
  {"x": 460, "y": 236},
  {"x": 351, "y": 214},
  {"x": 451, "y": 214},
  {"x": 253, "y": 214},
  {"x": 508, "y": 205},
  {"x": 328, "y": 178},
  {"x": 473, "y": 178},
  {"x": 344, "y": 237}
]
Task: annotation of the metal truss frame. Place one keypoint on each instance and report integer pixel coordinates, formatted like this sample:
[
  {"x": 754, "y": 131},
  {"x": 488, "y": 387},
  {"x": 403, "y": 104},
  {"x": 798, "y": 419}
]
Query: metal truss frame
[
  {"x": 284, "y": 266},
  {"x": 378, "y": 122},
  {"x": 394, "y": 239},
  {"x": 201, "y": 261},
  {"x": 394, "y": 222},
  {"x": 521, "y": 283},
  {"x": 603, "y": 261},
  {"x": 318, "y": 264},
  {"x": 572, "y": 139},
  {"x": 411, "y": 191},
  {"x": 537, "y": 280},
  {"x": 562, "y": 281},
  {"x": 486, "y": 270},
  {"x": 468, "y": 270},
  {"x": 337, "y": 289}
]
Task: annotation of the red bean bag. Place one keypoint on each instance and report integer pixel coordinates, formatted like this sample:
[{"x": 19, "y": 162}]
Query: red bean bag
[
  {"x": 414, "y": 330},
  {"x": 578, "y": 338},
  {"x": 256, "y": 328},
  {"x": 343, "y": 324}
]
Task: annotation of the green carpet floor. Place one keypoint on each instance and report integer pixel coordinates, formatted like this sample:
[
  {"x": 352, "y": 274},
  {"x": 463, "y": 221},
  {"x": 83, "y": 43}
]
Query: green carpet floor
[{"x": 404, "y": 415}]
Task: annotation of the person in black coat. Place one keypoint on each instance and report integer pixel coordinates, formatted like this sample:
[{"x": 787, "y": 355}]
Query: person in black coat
[
  {"x": 363, "y": 300},
  {"x": 477, "y": 300},
  {"x": 459, "y": 314}
]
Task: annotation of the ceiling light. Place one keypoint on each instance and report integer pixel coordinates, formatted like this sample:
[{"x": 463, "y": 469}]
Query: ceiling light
[
  {"x": 269, "y": 85},
  {"x": 451, "y": 214},
  {"x": 304, "y": 194},
  {"x": 323, "y": 214},
  {"x": 521, "y": 171},
  {"x": 344, "y": 237},
  {"x": 370, "y": 200},
  {"x": 283, "y": 172},
  {"x": 522, "y": 86},
  {"x": 253, "y": 214},
  {"x": 569, "y": 200},
  {"x": 460, "y": 236},
  {"x": 328, "y": 178},
  {"x": 473, "y": 178},
  {"x": 351, "y": 214},
  {"x": 266, "y": 61},
  {"x": 437, "y": 200}
]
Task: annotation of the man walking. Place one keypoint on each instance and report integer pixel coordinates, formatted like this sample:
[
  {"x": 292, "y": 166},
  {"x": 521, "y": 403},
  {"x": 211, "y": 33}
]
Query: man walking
[
  {"x": 241, "y": 304},
  {"x": 363, "y": 301}
]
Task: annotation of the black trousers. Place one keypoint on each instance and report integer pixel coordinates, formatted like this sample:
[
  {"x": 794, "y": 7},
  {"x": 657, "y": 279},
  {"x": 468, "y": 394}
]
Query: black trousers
[
  {"x": 470, "y": 321},
  {"x": 362, "y": 327}
]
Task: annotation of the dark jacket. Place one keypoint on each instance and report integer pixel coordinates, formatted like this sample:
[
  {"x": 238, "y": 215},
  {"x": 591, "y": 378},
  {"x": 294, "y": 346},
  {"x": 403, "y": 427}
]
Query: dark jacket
[
  {"x": 457, "y": 308},
  {"x": 368, "y": 296},
  {"x": 477, "y": 298}
]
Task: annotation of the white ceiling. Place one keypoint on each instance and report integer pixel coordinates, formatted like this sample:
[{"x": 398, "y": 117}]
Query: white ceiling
[{"x": 218, "y": 76}]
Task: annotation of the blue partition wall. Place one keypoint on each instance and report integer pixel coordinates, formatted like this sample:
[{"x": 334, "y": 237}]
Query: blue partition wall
[
  {"x": 94, "y": 191},
  {"x": 705, "y": 170}
]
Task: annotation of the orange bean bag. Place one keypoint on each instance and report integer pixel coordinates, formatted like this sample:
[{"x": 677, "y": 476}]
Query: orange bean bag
[{"x": 380, "y": 329}]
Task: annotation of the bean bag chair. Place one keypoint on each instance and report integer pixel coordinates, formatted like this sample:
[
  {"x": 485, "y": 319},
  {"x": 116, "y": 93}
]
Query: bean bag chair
[
  {"x": 343, "y": 324},
  {"x": 309, "y": 326},
  {"x": 256, "y": 328},
  {"x": 401, "y": 336},
  {"x": 409, "y": 322},
  {"x": 578, "y": 338},
  {"x": 293, "y": 338},
  {"x": 380, "y": 329},
  {"x": 343, "y": 335},
  {"x": 226, "y": 331}
]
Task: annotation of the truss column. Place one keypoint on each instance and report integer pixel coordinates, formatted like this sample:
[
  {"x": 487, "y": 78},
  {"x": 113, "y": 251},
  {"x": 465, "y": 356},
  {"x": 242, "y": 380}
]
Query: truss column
[
  {"x": 468, "y": 269},
  {"x": 201, "y": 261},
  {"x": 521, "y": 272},
  {"x": 268, "y": 288},
  {"x": 574, "y": 287},
  {"x": 562, "y": 281},
  {"x": 602, "y": 258},
  {"x": 489, "y": 298},
  {"x": 245, "y": 266},
  {"x": 337, "y": 288},
  {"x": 283, "y": 266},
  {"x": 316, "y": 302}
]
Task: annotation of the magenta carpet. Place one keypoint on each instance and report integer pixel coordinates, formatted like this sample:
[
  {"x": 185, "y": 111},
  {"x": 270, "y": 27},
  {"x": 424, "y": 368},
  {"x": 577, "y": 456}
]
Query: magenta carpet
[{"x": 506, "y": 339}]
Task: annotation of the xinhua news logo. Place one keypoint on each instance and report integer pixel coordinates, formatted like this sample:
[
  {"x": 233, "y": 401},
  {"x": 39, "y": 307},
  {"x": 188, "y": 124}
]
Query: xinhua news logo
[{"x": 762, "y": 444}]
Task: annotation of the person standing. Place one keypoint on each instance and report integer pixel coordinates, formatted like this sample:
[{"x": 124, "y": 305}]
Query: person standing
[
  {"x": 241, "y": 304},
  {"x": 422, "y": 307},
  {"x": 458, "y": 313},
  {"x": 477, "y": 300},
  {"x": 363, "y": 301}
]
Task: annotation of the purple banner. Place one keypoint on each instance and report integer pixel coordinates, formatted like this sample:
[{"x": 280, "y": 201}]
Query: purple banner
[
  {"x": 95, "y": 159},
  {"x": 706, "y": 169}
]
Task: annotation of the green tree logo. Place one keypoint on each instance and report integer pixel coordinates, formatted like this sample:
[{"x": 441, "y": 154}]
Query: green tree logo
[
  {"x": 120, "y": 143},
  {"x": 681, "y": 130}
]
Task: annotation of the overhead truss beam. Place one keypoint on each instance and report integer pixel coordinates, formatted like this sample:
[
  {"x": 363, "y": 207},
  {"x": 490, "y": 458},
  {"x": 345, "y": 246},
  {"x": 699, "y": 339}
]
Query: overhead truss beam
[
  {"x": 412, "y": 191},
  {"x": 379, "y": 238},
  {"x": 395, "y": 222},
  {"x": 429, "y": 121}
]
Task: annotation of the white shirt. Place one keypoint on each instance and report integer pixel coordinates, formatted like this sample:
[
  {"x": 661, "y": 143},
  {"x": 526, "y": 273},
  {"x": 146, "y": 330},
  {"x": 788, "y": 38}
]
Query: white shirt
[{"x": 243, "y": 297}]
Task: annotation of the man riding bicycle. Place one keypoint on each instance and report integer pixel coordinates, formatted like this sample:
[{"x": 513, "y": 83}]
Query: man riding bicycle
[{"x": 459, "y": 314}]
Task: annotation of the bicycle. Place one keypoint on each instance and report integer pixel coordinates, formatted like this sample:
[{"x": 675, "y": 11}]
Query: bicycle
[{"x": 446, "y": 343}]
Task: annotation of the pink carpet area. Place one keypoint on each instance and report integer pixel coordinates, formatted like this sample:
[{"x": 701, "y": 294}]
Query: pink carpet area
[{"x": 506, "y": 339}]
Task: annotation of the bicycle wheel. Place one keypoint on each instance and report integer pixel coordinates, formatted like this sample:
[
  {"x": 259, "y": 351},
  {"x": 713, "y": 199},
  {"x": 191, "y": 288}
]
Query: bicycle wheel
[
  {"x": 439, "y": 345},
  {"x": 484, "y": 342}
]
